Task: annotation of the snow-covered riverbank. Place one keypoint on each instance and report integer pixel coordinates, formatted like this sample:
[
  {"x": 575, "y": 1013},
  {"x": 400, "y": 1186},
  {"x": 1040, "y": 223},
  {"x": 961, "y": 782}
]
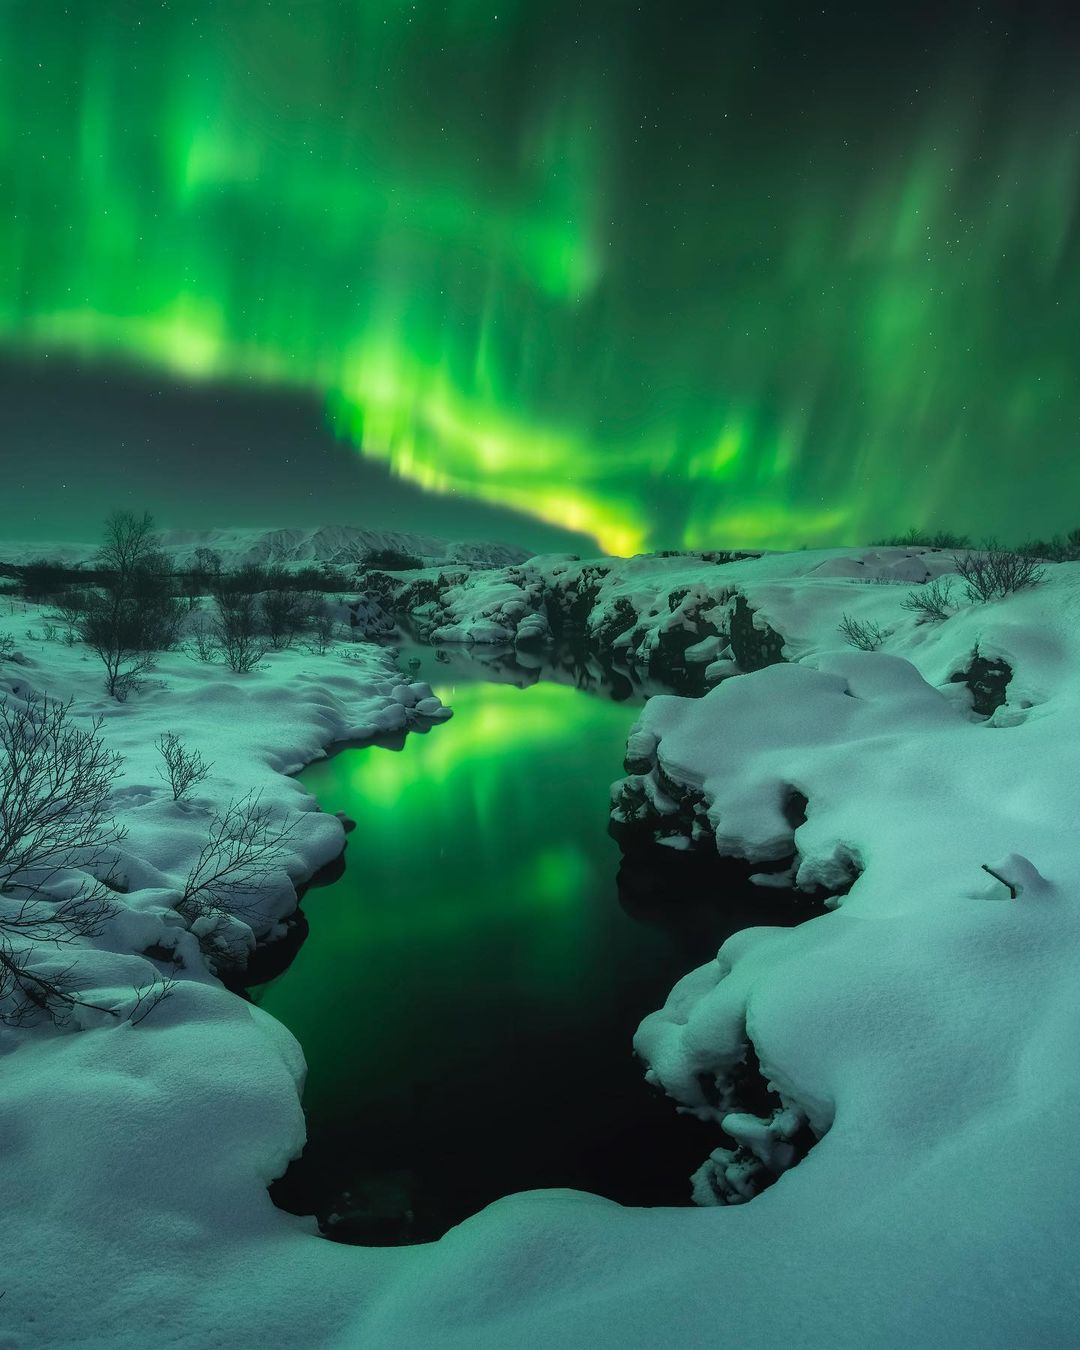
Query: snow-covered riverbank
[
  {"x": 926, "y": 1029},
  {"x": 135, "y": 1150}
]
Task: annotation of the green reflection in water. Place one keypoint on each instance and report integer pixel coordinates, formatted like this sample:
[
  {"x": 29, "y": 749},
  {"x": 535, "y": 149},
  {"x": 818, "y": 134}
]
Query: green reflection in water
[{"x": 479, "y": 888}]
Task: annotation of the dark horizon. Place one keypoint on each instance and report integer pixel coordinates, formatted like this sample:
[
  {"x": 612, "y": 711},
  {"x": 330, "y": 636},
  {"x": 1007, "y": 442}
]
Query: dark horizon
[{"x": 207, "y": 455}]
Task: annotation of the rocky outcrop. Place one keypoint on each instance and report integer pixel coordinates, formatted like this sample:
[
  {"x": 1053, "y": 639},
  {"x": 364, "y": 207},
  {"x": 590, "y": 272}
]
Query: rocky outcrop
[
  {"x": 674, "y": 634},
  {"x": 754, "y": 644},
  {"x": 988, "y": 682},
  {"x": 768, "y": 1134}
]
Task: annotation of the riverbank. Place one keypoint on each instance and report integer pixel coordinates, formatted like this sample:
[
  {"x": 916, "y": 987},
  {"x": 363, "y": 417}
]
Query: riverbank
[
  {"x": 138, "y": 1148},
  {"x": 925, "y": 1030}
]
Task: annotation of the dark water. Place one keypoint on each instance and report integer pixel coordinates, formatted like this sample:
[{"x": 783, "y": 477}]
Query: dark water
[{"x": 468, "y": 994}]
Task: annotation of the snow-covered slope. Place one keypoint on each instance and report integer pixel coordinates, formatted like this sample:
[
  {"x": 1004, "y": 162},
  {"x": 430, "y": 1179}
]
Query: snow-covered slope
[
  {"x": 336, "y": 544},
  {"x": 673, "y": 616},
  {"x": 923, "y": 1033}
]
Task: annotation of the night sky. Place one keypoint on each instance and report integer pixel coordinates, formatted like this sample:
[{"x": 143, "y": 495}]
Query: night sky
[{"x": 672, "y": 274}]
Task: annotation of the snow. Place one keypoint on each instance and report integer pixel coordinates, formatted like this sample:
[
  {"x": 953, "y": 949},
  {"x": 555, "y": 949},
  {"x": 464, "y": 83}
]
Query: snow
[
  {"x": 334, "y": 544},
  {"x": 923, "y": 1030},
  {"x": 640, "y": 607}
]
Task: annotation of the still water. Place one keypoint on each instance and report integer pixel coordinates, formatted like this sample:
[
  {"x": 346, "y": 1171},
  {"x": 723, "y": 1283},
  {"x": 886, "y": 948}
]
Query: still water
[{"x": 469, "y": 990}]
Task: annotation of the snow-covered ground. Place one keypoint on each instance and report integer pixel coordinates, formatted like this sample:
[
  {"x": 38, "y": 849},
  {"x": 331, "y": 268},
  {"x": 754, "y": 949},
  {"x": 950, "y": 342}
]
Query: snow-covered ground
[
  {"x": 924, "y": 1030},
  {"x": 675, "y": 615}
]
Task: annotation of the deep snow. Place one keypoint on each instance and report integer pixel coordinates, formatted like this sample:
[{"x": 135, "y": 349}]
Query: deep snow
[{"x": 926, "y": 1027}]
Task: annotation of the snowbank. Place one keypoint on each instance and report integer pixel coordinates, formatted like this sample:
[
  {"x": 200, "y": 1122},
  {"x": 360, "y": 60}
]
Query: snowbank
[
  {"x": 923, "y": 1032},
  {"x": 688, "y": 619}
]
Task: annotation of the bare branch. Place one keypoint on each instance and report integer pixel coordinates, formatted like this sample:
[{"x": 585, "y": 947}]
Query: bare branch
[
  {"x": 57, "y": 846},
  {"x": 245, "y": 847},
  {"x": 183, "y": 769},
  {"x": 994, "y": 572},
  {"x": 932, "y": 603},
  {"x": 149, "y": 997},
  {"x": 867, "y": 636}
]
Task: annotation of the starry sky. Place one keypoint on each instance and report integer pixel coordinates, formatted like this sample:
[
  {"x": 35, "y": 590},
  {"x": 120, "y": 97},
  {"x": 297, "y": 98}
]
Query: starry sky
[{"x": 669, "y": 274}]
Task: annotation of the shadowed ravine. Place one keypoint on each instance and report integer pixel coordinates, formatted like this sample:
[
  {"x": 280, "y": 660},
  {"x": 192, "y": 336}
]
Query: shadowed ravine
[{"x": 468, "y": 993}]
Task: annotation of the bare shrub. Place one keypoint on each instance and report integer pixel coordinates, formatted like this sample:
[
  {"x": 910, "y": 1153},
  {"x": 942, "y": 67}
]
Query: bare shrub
[
  {"x": 388, "y": 560},
  {"x": 932, "y": 603},
  {"x": 323, "y": 630},
  {"x": 42, "y": 580},
  {"x": 287, "y": 612},
  {"x": 236, "y": 630},
  {"x": 48, "y": 632},
  {"x": 244, "y": 849},
  {"x": 7, "y": 646},
  {"x": 916, "y": 538},
  {"x": 182, "y": 769},
  {"x": 55, "y": 780},
  {"x": 993, "y": 572},
  {"x": 203, "y": 644},
  {"x": 1057, "y": 549},
  {"x": 867, "y": 636}
]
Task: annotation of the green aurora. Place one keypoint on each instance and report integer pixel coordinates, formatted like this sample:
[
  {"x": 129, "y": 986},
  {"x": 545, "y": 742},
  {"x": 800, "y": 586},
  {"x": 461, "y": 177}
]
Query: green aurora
[{"x": 675, "y": 275}]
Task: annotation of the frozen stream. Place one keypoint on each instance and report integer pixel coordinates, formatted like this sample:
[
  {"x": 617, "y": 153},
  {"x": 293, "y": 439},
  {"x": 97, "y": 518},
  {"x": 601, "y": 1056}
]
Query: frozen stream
[{"x": 468, "y": 993}]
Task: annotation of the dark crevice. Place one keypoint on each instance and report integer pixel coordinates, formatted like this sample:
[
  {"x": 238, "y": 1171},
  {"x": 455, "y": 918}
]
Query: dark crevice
[
  {"x": 754, "y": 647},
  {"x": 766, "y": 1135},
  {"x": 272, "y": 958},
  {"x": 794, "y": 808},
  {"x": 988, "y": 682}
]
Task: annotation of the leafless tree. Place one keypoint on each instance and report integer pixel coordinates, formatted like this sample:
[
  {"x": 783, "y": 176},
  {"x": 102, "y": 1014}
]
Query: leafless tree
[
  {"x": 207, "y": 562},
  {"x": 55, "y": 780},
  {"x": 182, "y": 768},
  {"x": 132, "y": 616}
]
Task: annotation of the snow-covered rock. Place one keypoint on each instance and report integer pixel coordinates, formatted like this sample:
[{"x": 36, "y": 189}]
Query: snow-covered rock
[
  {"x": 687, "y": 619},
  {"x": 906, "y": 1063}
]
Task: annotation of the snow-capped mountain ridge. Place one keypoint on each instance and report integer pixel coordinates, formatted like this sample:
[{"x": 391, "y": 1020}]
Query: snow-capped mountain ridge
[{"x": 336, "y": 544}]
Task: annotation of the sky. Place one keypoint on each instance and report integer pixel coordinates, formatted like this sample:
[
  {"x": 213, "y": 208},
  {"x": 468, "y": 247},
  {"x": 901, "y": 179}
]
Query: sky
[{"x": 667, "y": 275}]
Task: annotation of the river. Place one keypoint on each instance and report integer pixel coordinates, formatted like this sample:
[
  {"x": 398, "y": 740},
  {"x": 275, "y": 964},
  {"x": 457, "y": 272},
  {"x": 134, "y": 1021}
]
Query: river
[{"x": 468, "y": 993}]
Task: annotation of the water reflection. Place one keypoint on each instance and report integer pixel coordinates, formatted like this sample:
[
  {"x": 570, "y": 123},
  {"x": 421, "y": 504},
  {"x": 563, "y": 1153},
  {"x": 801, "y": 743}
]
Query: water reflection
[
  {"x": 566, "y": 663},
  {"x": 470, "y": 987}
]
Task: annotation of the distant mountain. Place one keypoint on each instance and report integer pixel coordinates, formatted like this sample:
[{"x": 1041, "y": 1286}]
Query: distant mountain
[{"x": 340, "y": 544}]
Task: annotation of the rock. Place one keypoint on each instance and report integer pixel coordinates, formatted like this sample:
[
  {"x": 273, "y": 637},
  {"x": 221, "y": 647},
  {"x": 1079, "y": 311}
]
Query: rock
[
  {"x": 640, "y": 752},
  {"x": 987, "y": 681},
  {"x": 753, "y": 643},
  {"x": 432, "y": 707},
  {"x": 403, "y": 694}
]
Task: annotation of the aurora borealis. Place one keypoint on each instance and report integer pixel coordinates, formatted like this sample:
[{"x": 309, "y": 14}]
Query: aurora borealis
[{"x": 674, "y": 275}]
